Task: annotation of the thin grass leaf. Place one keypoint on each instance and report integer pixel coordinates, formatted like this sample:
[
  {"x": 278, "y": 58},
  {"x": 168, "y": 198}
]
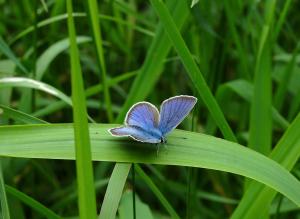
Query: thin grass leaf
[
  {"x": 19, "y": 116},
  {"x": 192, "y": 69},
  {"x": 3, "y": 198},
  {"x": 37, "y": 206},
  {"x": 62, "y": 17},
  {"x": 95, "y": 23},
  {"x": 241, "y": 51},
  {"x": 125, "y": 209},
  {"x": 283, "y": 85},
  {"x": 184, "y": 149},
  {"x": 156, "y": 192},
  {"x": 281, "y": 19},
  {"x": 257, "y": 196},
  {"x": 260, "y": 113},
  {"x": 114, "y": 190},
  {"x": 84, "y": 169},
  {"x": 4, "y": 48}
]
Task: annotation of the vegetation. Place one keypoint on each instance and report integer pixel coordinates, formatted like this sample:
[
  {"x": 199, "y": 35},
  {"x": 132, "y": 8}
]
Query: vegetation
[{"x": 70, "y": 70}]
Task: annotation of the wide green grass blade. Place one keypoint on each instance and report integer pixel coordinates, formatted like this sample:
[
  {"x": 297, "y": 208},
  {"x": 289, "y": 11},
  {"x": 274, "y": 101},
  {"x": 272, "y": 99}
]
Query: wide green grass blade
[
  {"x": 3, "y": 198},
  {"x": 114, "y": 190},
  {"x": 46, "y": 212},
  {"x": 184, "y": 149},
  {"x": 153, "y": 65},
  {"x": 258, "y": 196},
  {"x": 84, "y": 169},
  {"x": 192, "y": 69},
  {"x": 95, "y": 24},
  {"x": 157, "y": 193}
]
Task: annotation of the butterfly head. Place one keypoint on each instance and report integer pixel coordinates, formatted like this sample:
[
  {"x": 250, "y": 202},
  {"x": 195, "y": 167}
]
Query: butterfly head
[{"x": 163, "y": 140}]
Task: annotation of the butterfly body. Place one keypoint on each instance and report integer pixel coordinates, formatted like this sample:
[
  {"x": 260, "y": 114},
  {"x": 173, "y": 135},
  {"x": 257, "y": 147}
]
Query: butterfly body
[{"x": 144, "y": 123}]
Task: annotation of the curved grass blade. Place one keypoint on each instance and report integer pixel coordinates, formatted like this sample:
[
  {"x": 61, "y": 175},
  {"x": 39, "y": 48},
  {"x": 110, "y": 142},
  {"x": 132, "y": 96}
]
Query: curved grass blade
[
  {"x": 192, "y": 69},
  {"x": 30, "y": 83},
  {"x": 184, "y": 149},
  {"x": 48, "y": 55},
  {"x": 84, "y": 168},
  {"x": 46, "y": 212}
]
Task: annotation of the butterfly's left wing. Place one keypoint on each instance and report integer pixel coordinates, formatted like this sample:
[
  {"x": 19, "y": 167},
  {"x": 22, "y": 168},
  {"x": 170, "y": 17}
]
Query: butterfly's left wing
[
  {"x": 174, "y": 110},
  {"x": 134, "y": 132},
  {"x": 144, "y": 115}
]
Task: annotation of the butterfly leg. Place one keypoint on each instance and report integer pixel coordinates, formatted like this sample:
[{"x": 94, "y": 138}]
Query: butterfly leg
[{"x": 157, "y": 145}]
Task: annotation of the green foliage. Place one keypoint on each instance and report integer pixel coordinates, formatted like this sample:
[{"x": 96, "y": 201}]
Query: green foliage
[{"x": 240, "y": 58}]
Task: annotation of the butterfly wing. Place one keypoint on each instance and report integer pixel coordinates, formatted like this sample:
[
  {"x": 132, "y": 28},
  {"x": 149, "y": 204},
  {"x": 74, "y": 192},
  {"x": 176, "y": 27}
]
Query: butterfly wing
[
  {"x": 174, "y": 110},
  {"x": 134, "y": 132},
  {"x": 144, "y": 115}
]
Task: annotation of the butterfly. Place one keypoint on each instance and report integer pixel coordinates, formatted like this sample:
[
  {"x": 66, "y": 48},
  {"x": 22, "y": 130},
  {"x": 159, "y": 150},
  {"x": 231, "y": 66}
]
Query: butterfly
[{"x": 144, "y": 123}]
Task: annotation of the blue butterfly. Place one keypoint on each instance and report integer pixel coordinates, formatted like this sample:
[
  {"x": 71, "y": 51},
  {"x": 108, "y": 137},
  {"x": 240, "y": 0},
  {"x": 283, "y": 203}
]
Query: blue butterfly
[{"x": 144, "y": 123}]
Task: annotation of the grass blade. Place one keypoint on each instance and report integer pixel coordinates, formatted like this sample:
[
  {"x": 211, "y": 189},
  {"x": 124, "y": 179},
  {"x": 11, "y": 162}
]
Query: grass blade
[
  {"x": 114, "y": 190},
  {"x": 7, "y": 51},
  {"x": 86, "y": 192},
  {"x": 286, "y": 153},
  {"x": 192, "y": 69},
  {"x": 3, "y": 199},
  {"x": 30, "y": 83},
  {"x": 19, "y": 116},
  {"x": 184, "y": 149},
  {"x": 157, "y": 193},
  {"x": 95, "y": 23},
  {"x": 46, "y": 212},
  {"x": 260, "y": 113}
]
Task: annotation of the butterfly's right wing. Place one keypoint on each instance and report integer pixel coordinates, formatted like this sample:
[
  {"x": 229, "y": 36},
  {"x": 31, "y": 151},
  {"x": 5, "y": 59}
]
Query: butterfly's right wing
[
  {"x": 144, "y": 115},
  {"x": 134, "y": 132},
  {"x": 174, "y": 110}
]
